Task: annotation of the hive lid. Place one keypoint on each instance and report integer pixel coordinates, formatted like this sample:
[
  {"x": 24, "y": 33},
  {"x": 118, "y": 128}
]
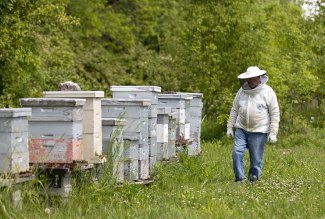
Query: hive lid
[
  {"x": 200, "y": 95},
  {"x": 15, "y": 112},
  {"x": 113, "y": 121},
  {"x": 175, "y": 96},
  {"x": 136, "y": 88},
  {"x": 73, "y": 94},
  {"x": 125, "y": 102},
  {"x": 51, "y": 102}
]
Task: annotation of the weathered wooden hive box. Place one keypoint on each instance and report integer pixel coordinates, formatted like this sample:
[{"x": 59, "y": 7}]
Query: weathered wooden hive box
[
  {"x": 179, "y": 103},
  {"x": 135, "y": 133},
  {"x": 163, "y": 152},
  {"x": 195, "y": 117},
  {"x": 143, "y": 92},
  {"x": 113, "y": 145},
  {"x": 55, "y": 130},
  {"x": 172, "y": 134},
  {"x": 92, "y": 123},
  {"x": 14, "y": 156}
]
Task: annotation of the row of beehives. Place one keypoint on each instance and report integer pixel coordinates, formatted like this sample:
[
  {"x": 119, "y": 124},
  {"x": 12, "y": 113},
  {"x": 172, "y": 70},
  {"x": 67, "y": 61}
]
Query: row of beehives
[{"x": 137, "y": 127}]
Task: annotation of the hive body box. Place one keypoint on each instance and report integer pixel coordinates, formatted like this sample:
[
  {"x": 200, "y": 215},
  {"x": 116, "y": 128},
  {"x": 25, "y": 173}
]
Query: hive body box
[
  {"x": 195, "y": 117},
  {"x": 113, "y": 145},
  {"x": 143, "y": 92},
  {"x": 92, "y": 127},
  {"x": 172, "y": 134},
  {"x": 135, "y": 133},
  {"x": 14, "y": 157},
  {"x": 163, "y": 152},
  {"x": 55, "y": 130},
  {"x": 180, "y": 104}
]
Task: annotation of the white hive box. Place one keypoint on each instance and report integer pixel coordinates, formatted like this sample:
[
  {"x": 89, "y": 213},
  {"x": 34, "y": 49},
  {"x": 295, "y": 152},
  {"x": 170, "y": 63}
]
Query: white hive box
[
  {"x": 55, "y": 137},
  {"x": 172, "y": 134},
  {"x": 14, "y": 156},
  {"x": 137, "y": 92},
  {"x": 180, "y": 103},
  {"x": 162, "y": 133},
  {"x": 194, "y": 119},
  {"x": 92, "y": 127},
  {"x": 113, "y": 145},
  {"x": 135, "y": 112},
  {"x": 112, "y": 133}
]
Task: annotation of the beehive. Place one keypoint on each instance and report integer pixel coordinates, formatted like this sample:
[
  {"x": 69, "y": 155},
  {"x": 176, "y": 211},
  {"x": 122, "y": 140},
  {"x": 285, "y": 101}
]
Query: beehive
[
  {"x": 55, "y": 130},
  {"x": 143, "y": 92},
  {"x": 14, "y": 156},
  {"x": 180, "y": 104},
  {"x": 195, "y": 117},
  {"x": 92, "y": 127},
  {"x": 113, "y": 145},
  {"x": 135, "y": 132},
  {"x": 162, "y": 133}
]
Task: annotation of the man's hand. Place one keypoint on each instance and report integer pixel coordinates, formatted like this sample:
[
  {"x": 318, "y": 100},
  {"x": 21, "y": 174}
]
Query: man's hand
[
  {"x": 230, "y": 133},
  {"x": 272, "y": 138}
]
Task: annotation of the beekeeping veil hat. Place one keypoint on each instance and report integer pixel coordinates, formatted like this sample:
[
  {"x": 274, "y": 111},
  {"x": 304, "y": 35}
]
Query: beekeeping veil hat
[{"x": 251, "y": 72}]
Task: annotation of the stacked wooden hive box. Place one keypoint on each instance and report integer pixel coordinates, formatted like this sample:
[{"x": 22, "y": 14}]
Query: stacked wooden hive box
[
  {"x": 143, "y": 92},
  {"x": 134, "y": 135},
  {"x": 91, "y": 120},
  {"x": 55, "y": 129},
  {"x": 179, "y": 104},
  {"x": 136, "y": 128},
  {"x": 194, "y": 116},
  {"x": 14, "y": 156}
]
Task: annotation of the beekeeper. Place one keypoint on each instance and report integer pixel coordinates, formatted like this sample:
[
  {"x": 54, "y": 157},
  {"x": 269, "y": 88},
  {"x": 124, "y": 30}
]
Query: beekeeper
[{"x": 255, "y": 116}]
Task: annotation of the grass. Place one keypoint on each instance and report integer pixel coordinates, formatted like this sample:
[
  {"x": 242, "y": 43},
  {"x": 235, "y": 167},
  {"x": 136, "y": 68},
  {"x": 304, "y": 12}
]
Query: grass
[{"x": 293, "y": 186}]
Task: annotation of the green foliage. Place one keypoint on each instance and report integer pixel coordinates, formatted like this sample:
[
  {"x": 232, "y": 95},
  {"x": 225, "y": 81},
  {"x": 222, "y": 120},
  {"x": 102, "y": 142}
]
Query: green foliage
[{"x": 192, "y": 46}]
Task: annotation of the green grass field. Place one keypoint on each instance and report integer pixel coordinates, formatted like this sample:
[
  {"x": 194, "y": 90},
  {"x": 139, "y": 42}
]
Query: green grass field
[{"x": 292, "y": 186}]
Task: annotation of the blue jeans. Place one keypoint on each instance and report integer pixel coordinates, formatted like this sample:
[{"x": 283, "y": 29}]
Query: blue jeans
[{"x": 255, "y": 143}]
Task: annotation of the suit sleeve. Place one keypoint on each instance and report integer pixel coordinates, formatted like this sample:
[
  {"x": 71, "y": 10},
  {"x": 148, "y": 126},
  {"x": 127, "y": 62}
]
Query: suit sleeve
[
  {"x": 274, "y": 112},
  {"x": 234, "y": 111}
]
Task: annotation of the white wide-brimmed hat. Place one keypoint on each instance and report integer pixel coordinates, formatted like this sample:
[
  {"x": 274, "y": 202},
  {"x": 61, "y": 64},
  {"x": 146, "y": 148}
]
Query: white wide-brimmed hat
[{"x": 251, "y": 72}]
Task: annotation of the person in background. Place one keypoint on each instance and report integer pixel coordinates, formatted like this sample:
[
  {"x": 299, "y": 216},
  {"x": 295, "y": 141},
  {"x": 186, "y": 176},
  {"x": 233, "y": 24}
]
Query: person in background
[{"x": 255, "y": 116}]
